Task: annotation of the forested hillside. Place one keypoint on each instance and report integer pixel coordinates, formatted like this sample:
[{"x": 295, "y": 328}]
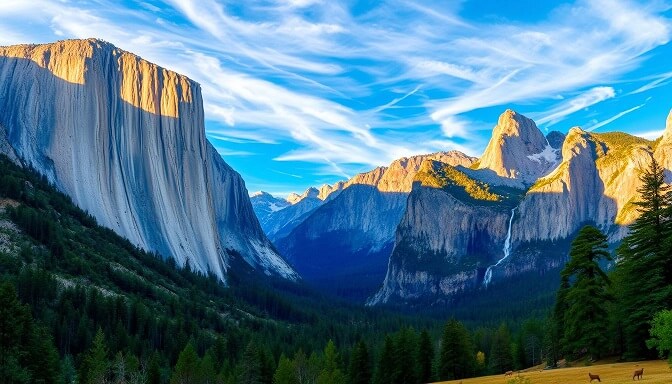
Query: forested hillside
[{"x": 80, "y": 304}]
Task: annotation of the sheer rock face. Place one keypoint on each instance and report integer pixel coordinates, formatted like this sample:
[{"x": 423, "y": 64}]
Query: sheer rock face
[
  {"x": 125, "y": 139},
  {"x": 664, "y": 148},
  {"x": 445, "y": 243},
  {"x": 517, "y": 150},
  {"x": 358, "y": 225}
]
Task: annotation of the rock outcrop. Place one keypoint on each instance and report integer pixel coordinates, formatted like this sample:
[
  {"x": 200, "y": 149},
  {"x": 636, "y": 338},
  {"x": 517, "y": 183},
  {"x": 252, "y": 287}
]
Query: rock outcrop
[
  {"x": 343, "y": 246},
  {"x": 518, "y": 151},
  {"x": 125, "y": 139},
  {"x": 448, "y": 239}
]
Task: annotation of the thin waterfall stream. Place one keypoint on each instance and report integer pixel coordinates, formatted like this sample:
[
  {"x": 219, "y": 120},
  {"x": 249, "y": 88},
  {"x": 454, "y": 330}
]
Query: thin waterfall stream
[{"x": 507, "y": 251}]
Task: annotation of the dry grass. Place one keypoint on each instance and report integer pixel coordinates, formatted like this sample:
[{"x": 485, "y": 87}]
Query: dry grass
[{"x": 655, "y": 372}]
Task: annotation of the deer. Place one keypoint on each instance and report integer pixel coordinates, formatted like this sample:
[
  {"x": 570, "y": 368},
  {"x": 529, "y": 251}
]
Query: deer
[
  {"x": 508, "y": 373},
  {"x": 594, "y": 377},
  {"x": 638, "y": 374}
]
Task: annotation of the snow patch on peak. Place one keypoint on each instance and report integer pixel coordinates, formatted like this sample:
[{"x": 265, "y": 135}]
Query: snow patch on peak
[
  {"x": 549, "y": 155},
  {"x": 259, "y": 193}
]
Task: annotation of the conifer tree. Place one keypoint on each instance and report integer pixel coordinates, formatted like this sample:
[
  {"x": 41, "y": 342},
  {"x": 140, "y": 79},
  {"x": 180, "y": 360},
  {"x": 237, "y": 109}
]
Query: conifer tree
[
  {"x": 95, "y": 365},
  {"x": 360, "y": 364},
  {"x": 385, "y": 367},
  {"x": 251, "y": 365},
  {"x": 425, "y": 358},
  {"x": 186, "y": 368},
  {"x": 15, "y": 322},
  {"x": 644, "y": 269},
  {"x": 586, "y": 316},
  {"x": 331, "y": 372},
  {"x": 456, "y": 357},
  {"x": 154, "y": 370},
  {"x": 206, "y": 369},
  {"x": 43, "y": 360},
  {"x": 556, "y": 330},
  {"x": 404, "y": 357},
  {"x": 501, "y": 359},
  {"x": 286, "y": 372}
]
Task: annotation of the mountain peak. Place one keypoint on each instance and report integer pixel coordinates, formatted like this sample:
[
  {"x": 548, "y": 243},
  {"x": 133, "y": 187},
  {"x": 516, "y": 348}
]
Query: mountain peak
[
  {"x": 259, "y": 194},
  {"x": 514, "y": 149},
  {"x": 512, "y": 123}
]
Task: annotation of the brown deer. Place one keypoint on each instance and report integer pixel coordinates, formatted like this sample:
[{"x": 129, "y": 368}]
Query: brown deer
[
  {"x": 638, "y": 374},
  {"x": 508, "y": 373},
  {"x": 594, "y": 377}
]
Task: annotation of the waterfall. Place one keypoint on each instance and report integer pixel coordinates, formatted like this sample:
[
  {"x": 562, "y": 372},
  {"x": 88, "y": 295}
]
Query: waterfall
[{"x": 507, "y": 251}]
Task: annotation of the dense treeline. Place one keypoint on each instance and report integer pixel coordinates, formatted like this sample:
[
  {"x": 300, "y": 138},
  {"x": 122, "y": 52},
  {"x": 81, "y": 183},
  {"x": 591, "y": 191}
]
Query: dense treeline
[
  {"x": 598, "y": 313},
  {"x": 80, "y": 304},
  {"x": 108, "y": 310}
]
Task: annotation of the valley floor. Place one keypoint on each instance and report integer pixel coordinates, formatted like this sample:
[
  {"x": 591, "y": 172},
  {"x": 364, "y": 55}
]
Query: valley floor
[{"x": 655, "y": 372}]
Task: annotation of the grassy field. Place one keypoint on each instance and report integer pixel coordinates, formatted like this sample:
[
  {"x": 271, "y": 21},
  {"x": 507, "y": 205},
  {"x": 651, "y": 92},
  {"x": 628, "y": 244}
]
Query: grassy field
[{"x": 655, "y": 372}]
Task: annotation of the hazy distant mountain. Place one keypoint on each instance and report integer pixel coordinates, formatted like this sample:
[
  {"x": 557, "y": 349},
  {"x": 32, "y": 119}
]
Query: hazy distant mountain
[
  {"x": 279, "y": 217},
  {"x": 343, "y": 245}
]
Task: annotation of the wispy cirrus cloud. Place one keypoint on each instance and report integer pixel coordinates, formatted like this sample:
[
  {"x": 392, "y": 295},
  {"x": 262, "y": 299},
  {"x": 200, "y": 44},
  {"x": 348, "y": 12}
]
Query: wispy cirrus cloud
[
  {"x": 584, "y": 100},
  {"x": 340, "y": 86},
  {"x": 617, "y": 116},
  {"x": 658, "y": 81}
]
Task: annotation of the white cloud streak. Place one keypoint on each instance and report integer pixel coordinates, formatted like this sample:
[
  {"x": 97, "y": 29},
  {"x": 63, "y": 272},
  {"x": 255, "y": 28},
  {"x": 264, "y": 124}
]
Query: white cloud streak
[
  {"x": 613, "y": 118},
  {"x": 584, "y": 100},
  {"x": 305, "y": 71},
  {"x": 660, "y": 80}
]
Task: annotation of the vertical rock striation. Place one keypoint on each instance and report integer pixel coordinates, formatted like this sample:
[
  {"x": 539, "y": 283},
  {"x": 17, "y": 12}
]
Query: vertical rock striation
[{"x": 125, "y": 139}]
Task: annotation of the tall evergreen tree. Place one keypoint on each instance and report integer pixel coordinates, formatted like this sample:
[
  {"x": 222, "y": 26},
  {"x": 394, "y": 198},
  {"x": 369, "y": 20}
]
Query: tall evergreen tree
[
  {"x": 207, "y": 374},
  {"x": 43, "y": 360},
  {"x": 556, "y": 330},
  {"x": 404, "y": 357},
  {"x": 360, "y": 365},
  {"x": 586, "y": 316},
  {"x": 644, "y": 270},
  {"x": 154, "y": 370},
  {"x": 501, "y": 359},
  {"x": 251, "y": 365},
  {"x": 186, "y": 368},
  {"x": 331, "y": 372},
  {"x": 15, "y": 324},
  {"x": 94, "y": 368},
  {"x": 456, "y": 357},
  {"x": 385, "y": 367},
  {"x": 425, "y": 358},
  {"x": 286, "y": 372}
]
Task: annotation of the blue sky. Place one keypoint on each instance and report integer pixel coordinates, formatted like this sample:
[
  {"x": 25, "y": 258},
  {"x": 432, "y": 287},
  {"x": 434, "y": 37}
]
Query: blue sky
[{"x": 305, "y": 92}]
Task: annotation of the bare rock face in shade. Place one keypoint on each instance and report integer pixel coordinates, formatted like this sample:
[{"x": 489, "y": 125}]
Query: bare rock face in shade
[{"x": 125, "y": 139}]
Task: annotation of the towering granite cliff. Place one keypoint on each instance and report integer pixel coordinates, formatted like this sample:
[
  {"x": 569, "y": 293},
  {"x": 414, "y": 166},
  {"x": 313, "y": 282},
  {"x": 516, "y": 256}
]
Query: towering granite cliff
[
  {"x": 517, "y": 151},
  {"x": 461, "y": 231},
  {"x": 664, "y": 148},
  {"x": 125, "y": 139}
]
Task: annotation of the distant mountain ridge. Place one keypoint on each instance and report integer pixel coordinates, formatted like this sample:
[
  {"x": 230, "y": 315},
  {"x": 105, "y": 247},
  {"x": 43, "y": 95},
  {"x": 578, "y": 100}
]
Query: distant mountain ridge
[
  {"x": 343, "y": 243},
  {"x": 440, "y": 224},
  {"x": 447, "y": 244},
  {"x": 125, "y": 139}
]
